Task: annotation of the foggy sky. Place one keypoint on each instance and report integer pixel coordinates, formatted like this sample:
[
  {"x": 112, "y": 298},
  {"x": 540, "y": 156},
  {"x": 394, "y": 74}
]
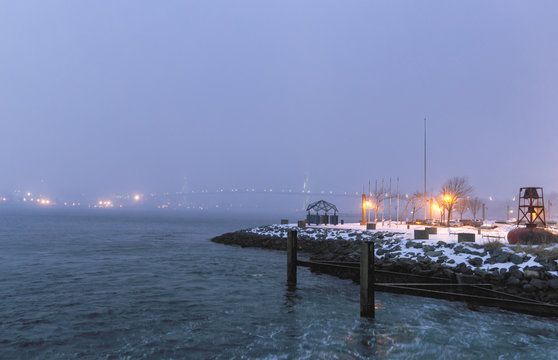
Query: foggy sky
[{"x": 125, "y": 96}]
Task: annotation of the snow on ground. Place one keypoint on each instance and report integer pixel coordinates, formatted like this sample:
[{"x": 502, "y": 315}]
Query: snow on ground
[
  {"x": 445, "y": 234},
  {"x": 441, "y": 247}
]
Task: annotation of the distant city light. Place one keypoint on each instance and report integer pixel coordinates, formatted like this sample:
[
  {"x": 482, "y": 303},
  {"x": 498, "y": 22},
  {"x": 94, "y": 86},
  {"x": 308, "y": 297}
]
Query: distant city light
[
  {"x": 103, "y": 204},
  {"x": 137, "y": 197}
]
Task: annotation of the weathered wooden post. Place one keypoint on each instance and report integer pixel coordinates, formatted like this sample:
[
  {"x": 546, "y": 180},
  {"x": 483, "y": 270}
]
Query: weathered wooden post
[
  {"x": 291, "y": 257},
  {"x": 367, "y": 280}
]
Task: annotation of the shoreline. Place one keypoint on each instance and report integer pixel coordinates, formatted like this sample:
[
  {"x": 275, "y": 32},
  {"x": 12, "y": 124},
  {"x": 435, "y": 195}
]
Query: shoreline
[{"x": 509, "y": 270}]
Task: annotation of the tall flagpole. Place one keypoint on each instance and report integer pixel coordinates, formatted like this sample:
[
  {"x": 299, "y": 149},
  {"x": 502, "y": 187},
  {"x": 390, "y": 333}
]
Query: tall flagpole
[
  {"x": 383, "y": 203},
  {"x": 376, "y": 201},
  {"x": 390, "y": 201},
  {"x": 425, "y": 196},
  {"x": 397, "y": 219},
  {"x": 369, "y": 198}
]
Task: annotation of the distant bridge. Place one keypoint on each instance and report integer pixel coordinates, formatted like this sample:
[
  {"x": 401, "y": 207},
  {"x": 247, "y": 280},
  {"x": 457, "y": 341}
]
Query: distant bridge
[{"x": 266, "y": 192}]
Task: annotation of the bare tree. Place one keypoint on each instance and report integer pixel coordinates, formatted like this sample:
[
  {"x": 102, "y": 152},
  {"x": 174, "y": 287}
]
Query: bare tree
[
  {"x": 377, "y": 197},
  {"x": 454, "y": 190},
  {"x": 442, "y": 206},
  {"x": 415, "y": 203},
  {"x": 474, "y": 205},
  {"x": 461, "y": 206}
]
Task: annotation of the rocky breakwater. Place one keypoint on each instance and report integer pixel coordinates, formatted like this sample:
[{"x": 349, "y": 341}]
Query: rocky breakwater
[{"x": 528, "y": 271}]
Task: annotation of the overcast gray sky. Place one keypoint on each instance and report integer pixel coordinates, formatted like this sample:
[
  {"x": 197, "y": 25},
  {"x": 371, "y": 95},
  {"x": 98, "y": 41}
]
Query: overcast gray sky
[{"x": 117, "y": 96}]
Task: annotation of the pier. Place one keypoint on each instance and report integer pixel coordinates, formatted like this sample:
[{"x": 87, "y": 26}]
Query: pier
[{"x": 364, "y": 272}]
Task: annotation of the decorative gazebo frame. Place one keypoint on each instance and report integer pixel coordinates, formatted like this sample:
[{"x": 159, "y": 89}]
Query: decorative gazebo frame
[{"x": 324, "y": 206}]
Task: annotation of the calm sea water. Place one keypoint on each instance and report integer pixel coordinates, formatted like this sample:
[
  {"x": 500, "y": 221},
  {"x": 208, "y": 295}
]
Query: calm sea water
[{"x": 137, "y": 286}]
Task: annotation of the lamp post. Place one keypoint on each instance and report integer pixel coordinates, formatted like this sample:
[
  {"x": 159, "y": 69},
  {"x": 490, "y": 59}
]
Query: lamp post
[
  {"x": 435, "y": 207},
  {"x": 363, "y": 221},
  {"x": 448, "y": 199},
  {"x": 369, "y": 207}
]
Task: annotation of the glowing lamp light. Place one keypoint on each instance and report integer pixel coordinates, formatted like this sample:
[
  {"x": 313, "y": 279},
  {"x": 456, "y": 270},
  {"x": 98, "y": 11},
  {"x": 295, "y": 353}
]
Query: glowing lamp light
[{"x": 137, "y": 197}]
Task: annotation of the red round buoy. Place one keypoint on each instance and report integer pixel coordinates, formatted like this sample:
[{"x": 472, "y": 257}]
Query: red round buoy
[{"x": 531, "y": 236}]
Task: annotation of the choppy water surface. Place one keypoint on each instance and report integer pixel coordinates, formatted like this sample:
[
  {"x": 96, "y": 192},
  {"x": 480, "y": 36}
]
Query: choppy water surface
[{"x": 137, "y": 286}]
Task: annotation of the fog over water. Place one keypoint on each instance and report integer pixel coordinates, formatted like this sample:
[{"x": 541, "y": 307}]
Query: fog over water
[{"x": 101, "y": 98}]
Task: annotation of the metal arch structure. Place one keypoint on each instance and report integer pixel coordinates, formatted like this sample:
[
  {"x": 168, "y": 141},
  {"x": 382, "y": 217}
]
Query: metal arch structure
[{"x": 322, "y": 205}]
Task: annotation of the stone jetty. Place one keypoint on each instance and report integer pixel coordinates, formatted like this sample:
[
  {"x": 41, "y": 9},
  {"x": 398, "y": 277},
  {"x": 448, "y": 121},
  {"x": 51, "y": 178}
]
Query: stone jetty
[{"x": 531, "y": 272}]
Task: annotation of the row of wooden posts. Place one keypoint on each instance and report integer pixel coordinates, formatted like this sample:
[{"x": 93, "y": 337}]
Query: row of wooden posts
[
  {"x": 366, "y": 272},
  {"x": 414, "y": 284}
]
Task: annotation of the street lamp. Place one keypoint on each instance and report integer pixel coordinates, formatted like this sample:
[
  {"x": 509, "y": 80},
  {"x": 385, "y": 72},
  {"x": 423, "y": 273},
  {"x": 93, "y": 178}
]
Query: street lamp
[{"x": 368, "y": 206}]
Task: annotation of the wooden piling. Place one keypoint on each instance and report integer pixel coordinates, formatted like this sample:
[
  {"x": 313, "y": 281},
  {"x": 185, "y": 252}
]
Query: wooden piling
[
  {"x": 367, "y": 280},
  {"x": 291, "y": 257}
]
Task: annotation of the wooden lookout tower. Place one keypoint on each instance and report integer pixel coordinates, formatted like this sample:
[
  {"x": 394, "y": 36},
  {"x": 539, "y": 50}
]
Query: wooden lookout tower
[{"x": 531, "y": 207}]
